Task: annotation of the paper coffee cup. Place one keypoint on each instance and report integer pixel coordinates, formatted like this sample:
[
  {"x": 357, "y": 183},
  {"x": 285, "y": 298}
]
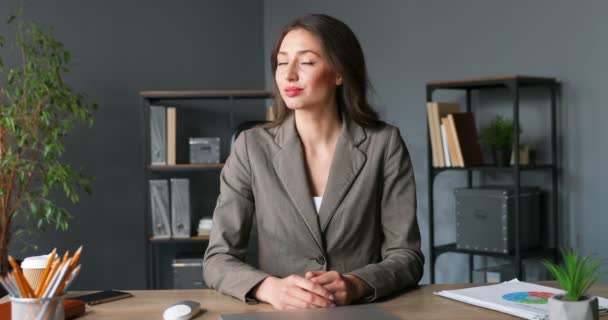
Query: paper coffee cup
[{"x": 33, "y": 267}]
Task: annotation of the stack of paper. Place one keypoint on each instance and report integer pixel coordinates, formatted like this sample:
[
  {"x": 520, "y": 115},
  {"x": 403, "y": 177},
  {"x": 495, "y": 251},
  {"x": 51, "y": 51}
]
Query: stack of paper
[{"x": 521, "y": 299}]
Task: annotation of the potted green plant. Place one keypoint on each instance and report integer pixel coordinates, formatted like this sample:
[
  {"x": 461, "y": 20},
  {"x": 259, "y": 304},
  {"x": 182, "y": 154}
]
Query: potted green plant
[
  {"x": 498, "y": 137},
  {"x": 575, "y": 277},
  {"x": 37, "y": 110}
]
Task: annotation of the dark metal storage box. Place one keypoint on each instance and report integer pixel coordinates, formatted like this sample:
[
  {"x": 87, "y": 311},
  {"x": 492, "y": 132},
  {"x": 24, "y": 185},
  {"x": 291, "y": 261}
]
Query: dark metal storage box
[
  {"x": 485, "y": 218},
  {"x": 188, "y": 271},
  {"x": 204, "y": 150}
]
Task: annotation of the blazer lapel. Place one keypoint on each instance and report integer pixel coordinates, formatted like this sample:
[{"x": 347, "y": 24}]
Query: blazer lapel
[
  {"x": 290, "y": 167},
  {"x": 346, "y": 164}
]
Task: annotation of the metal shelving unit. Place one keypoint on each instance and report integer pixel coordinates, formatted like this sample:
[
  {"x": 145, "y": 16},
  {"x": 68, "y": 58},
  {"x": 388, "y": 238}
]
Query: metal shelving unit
[
  {"x": 149, "y": 98},
  {"x": 184, "y": 167},
  {"x": 512, "y": 84}
]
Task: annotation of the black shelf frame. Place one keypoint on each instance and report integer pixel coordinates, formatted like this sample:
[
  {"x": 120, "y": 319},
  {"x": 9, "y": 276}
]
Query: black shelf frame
[
  {"x": 491, "y": 168},
  {"x": 156, "y": 96},
  {"x": 528, "y": 253},
  {"x": 195, "y": 239},
  {"x": 184, "y": 168},
  {"x": 513, "y": 86},
  {"x": 149, "y": 98}
]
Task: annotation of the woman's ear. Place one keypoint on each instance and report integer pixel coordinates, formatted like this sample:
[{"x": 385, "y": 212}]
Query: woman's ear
[{"x": 339, "y": 80}]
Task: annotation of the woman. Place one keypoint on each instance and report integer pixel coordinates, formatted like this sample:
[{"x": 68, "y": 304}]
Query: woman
[{"x": 329, "y": 187}]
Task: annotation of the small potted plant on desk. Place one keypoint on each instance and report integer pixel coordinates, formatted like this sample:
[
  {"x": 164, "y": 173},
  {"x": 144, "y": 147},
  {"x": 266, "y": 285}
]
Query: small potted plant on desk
[
  {"x": 575, "y": 277},
  {"x": 498, "y": 136}
]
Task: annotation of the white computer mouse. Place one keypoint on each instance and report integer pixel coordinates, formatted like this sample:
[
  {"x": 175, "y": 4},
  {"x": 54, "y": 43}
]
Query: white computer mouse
[{"x": 182, "y": 310}]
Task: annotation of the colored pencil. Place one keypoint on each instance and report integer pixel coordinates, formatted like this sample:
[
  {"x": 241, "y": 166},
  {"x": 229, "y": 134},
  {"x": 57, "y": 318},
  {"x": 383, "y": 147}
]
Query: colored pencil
[
  {"x": 45, "y": 273},
  {"x": 24, "y": 286}
]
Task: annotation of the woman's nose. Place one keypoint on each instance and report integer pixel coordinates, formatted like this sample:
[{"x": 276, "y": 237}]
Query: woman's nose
[{"x": 291, "y": 74}]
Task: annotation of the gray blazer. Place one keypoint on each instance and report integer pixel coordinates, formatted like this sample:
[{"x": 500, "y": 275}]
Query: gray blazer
[{"x": 366, "y": 225}]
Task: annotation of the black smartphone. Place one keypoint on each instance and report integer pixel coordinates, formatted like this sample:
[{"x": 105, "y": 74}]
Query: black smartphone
[{"x": 102, "y": 297}]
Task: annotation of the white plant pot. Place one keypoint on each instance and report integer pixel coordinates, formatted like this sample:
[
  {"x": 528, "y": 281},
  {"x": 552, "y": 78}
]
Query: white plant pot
[{"x": 562, "y": 309}]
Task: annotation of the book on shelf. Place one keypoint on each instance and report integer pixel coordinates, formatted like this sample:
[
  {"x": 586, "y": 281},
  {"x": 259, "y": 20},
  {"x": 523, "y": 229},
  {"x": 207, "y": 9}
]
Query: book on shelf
[
  {"x": 446, "y": 150},
  {"x": 159, "y": 208},
  {"x": 180, "y": 208},
  {"x": 158, "y": 135},
  {"x": 451, "y": 142},
  {"x": 163, "y": 126},
  {"x": 171, "y": 135},
  {"x": 466, "y": 143},
  {"x": 435, "y": 111},
  {"x": 457, "y": 154}
]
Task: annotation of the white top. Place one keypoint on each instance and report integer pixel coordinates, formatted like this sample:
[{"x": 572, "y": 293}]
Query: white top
[{"x": 317, "y": 201}]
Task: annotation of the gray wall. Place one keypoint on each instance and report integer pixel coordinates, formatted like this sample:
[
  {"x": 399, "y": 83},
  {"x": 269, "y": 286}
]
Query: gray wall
[
  {"x": 408, "y": 43},
  {"x": 118, "y": 49}
]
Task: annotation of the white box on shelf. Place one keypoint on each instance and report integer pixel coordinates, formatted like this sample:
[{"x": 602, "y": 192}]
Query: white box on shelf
[{"x": 204, "y": 226}]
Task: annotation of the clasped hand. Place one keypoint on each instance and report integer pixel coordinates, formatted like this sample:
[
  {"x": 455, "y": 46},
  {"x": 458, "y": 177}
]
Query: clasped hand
[{"x": 318, "y": 289}]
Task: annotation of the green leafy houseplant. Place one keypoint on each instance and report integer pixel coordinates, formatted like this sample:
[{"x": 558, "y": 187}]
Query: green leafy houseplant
[
  {"x": 37, "y": 110},
  {"x": 498, "y": 135},
  {"x": 577, "y": 274}
]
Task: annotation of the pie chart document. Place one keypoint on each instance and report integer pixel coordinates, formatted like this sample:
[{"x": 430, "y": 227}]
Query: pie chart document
[{"x": 518, "y": 298}]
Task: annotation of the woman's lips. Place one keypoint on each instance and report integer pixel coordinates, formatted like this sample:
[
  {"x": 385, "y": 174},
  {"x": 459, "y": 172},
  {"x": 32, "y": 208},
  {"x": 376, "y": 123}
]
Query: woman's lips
[{"x": 293, "y": 91}]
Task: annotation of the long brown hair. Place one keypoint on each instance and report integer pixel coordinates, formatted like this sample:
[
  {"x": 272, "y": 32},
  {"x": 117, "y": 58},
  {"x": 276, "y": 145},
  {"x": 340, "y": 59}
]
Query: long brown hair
[{"x": 345, "y": 56}]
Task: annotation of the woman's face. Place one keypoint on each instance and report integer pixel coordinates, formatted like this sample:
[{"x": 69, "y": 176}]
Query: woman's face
[{"x": 303, "y": 75}]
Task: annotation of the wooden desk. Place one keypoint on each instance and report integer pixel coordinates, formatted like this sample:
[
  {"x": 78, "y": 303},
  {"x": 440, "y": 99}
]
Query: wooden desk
[{"x": 420, "y": 304}]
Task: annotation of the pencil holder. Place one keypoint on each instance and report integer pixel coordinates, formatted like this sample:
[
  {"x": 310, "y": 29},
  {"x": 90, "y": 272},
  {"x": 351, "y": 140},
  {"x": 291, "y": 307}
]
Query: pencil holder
[{"x": 37, "y": 309}]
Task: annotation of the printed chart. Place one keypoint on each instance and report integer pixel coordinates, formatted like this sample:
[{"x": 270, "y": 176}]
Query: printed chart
[{"x": 528, "y": 297}]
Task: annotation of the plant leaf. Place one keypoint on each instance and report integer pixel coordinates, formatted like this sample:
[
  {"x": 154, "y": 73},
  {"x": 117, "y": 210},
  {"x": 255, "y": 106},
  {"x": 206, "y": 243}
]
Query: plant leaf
[{"x": 577, "y": 275}]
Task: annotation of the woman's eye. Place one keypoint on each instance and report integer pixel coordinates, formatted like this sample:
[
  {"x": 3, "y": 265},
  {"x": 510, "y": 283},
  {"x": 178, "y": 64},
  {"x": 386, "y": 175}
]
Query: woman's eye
[
  {"x": 309, "y": 63},
  {"x": 282, "y": 63}
]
